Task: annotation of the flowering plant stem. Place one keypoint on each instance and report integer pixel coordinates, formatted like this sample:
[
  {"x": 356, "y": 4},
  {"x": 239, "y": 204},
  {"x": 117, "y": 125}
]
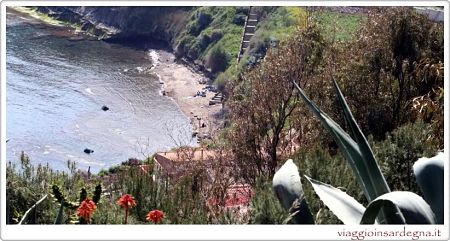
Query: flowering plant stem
[{"x": 126, "y": 215}]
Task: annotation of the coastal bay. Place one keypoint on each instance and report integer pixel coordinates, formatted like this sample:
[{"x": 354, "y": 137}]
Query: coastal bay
[{"x": 58, "y": 80}]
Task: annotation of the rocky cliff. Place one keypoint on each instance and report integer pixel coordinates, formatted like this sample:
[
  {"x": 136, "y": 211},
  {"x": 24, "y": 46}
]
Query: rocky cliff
[{"x": 125, "y": 23}]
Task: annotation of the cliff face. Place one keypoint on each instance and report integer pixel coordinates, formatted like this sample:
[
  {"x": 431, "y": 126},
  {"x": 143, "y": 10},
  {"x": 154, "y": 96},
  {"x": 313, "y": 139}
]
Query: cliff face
[{"x": 125, "y": 23}]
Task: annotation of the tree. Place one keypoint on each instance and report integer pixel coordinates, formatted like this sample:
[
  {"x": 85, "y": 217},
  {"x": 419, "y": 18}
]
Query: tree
[
  {"x": 263, "y": 101},
  {"x": 394, "y": 59}
]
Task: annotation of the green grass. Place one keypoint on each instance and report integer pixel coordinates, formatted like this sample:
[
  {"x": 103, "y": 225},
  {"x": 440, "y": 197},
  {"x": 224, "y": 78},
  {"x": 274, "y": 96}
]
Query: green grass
[{"x": 339, "y": 26}]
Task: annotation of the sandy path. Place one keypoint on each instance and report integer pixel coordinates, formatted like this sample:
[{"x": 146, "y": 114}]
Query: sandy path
[{"x": 181, "y": 84}]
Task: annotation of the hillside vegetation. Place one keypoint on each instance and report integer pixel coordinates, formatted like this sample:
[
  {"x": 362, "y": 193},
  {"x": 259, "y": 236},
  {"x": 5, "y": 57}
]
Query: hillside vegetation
[{"x": 388, "y": 64}]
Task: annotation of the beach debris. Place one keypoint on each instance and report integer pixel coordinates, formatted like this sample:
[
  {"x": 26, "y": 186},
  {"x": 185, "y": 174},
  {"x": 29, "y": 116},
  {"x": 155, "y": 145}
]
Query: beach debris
[
  {"x": 7, "y": 140},
  {"x": 194, "y": 134},
  {"x": 105, "y": 108},
  {"x": 201, "y": 93},
  {"x": 203, "y": 80},
  {"x": 88, "y": 151}
]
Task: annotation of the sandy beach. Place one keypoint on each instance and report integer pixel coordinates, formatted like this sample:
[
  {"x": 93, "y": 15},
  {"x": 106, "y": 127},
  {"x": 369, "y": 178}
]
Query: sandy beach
[{"x": 181, "y": 83}]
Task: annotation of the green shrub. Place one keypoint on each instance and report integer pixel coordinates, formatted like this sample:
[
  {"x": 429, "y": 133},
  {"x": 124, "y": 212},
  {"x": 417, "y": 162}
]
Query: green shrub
[
  {"x": 29, "y": 183},
  {"x": 201, "y": 22},
  {"x": 216, "y": 35},
  {"x": 217, "y": 59},
  {"x": 183, "y": 45},
  {"x": 239, "y": 19},
  {"x": 265, "y": 208},
  {"x": 319, "y": 164},
  {"x": 401, "y": 149},
  {"x": 194, "y": 50}
]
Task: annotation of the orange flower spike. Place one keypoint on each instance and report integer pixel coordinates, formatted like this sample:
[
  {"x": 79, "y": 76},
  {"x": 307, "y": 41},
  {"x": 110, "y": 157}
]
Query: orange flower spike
[
  {"x": 126, "y": 201},
  {"x": 86, "y": 209},
  {"x": 155, "y": 216}
]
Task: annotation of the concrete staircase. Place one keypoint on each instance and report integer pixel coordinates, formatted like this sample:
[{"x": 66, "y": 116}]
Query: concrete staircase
[
  {"x": 249, "y": 30},
  {"x": 217, "y": 99}
]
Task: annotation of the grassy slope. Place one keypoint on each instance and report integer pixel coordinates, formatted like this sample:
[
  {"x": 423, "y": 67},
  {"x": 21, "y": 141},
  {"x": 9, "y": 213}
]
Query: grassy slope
[
  {"x": 343, "y": 26},
  {"x": 279, "y": 23}
]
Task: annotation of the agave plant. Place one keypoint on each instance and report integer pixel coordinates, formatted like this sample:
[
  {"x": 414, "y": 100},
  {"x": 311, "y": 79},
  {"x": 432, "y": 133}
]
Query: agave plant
[{"x": 385, "y": 207}]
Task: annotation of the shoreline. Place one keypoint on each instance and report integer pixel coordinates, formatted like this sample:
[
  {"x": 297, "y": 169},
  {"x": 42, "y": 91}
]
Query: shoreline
[{"x": 181, "y": 83}]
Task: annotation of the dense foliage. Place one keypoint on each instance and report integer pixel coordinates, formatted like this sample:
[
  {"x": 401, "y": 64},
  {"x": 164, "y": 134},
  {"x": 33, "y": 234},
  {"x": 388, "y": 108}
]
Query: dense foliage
[
  {"x": 390, "y": 70},
  {"x": 388, "y": 62}
]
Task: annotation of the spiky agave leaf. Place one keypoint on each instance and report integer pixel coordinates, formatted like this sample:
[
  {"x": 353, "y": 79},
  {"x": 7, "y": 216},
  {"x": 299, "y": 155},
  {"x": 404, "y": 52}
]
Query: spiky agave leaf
[
  {"x": 345, "y": 207},
  {"x": 288, "y": 189},
  {"x": 429, "y": 174},
  {"x": 375, "y": 176},
  {"x": 358, "y": 154},
  {"x": 401, "y": 208},
  {"x": 59, "y": 217}
]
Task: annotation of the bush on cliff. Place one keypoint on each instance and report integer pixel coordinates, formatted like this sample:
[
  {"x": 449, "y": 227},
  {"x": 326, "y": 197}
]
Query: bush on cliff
[{"x": 217, "y": 59}]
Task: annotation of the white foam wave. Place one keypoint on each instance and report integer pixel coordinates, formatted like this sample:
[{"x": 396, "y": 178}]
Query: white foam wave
[
  {"x": 89, "y": 91},
  {"x": 154, "y": 56},
  {"x": 140, "y": 69}
]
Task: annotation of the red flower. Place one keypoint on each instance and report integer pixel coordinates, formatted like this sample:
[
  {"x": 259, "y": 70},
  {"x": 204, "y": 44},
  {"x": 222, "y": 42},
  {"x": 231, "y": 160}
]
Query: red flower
[
  {"x": 126, "y": 201},
  {"x": 86, "y": 209},
  {"x": 155, "y": 216}
]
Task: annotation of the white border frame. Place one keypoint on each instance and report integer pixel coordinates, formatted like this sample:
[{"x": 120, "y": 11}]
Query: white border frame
[{"x": 208, "y": 232}]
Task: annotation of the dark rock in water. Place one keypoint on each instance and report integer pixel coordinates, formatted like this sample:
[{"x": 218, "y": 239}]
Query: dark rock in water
[
  {"x": 88, "y": 151},
  {"x": 86, "y": 26},
  {"x": 105, "y": 108}
]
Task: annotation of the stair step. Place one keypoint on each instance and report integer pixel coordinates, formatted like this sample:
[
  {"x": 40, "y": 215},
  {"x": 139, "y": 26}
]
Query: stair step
[
  {"x": 250, "y": 30},
  {"x": 247, "y": 37}
]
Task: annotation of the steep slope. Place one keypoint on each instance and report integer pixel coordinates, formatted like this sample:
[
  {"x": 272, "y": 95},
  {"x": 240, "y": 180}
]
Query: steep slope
[{"x": 125, "y": 23}]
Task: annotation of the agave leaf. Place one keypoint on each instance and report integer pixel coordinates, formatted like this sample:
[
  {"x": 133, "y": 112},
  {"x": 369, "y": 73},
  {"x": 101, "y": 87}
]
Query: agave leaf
[
  {"x": 363, "y": 169},
  {"x": 288, "y": 189},
  {"x": 59, "y": 218},
  {"x": 412, "y": 209},
  {"x": 429, "y": 174},
  {"x": 345, "y": 207},
  {"x": 376, "y": 177}
]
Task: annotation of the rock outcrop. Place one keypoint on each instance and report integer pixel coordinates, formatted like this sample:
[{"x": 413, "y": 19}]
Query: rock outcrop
[{"x": 125, "y": 23}]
